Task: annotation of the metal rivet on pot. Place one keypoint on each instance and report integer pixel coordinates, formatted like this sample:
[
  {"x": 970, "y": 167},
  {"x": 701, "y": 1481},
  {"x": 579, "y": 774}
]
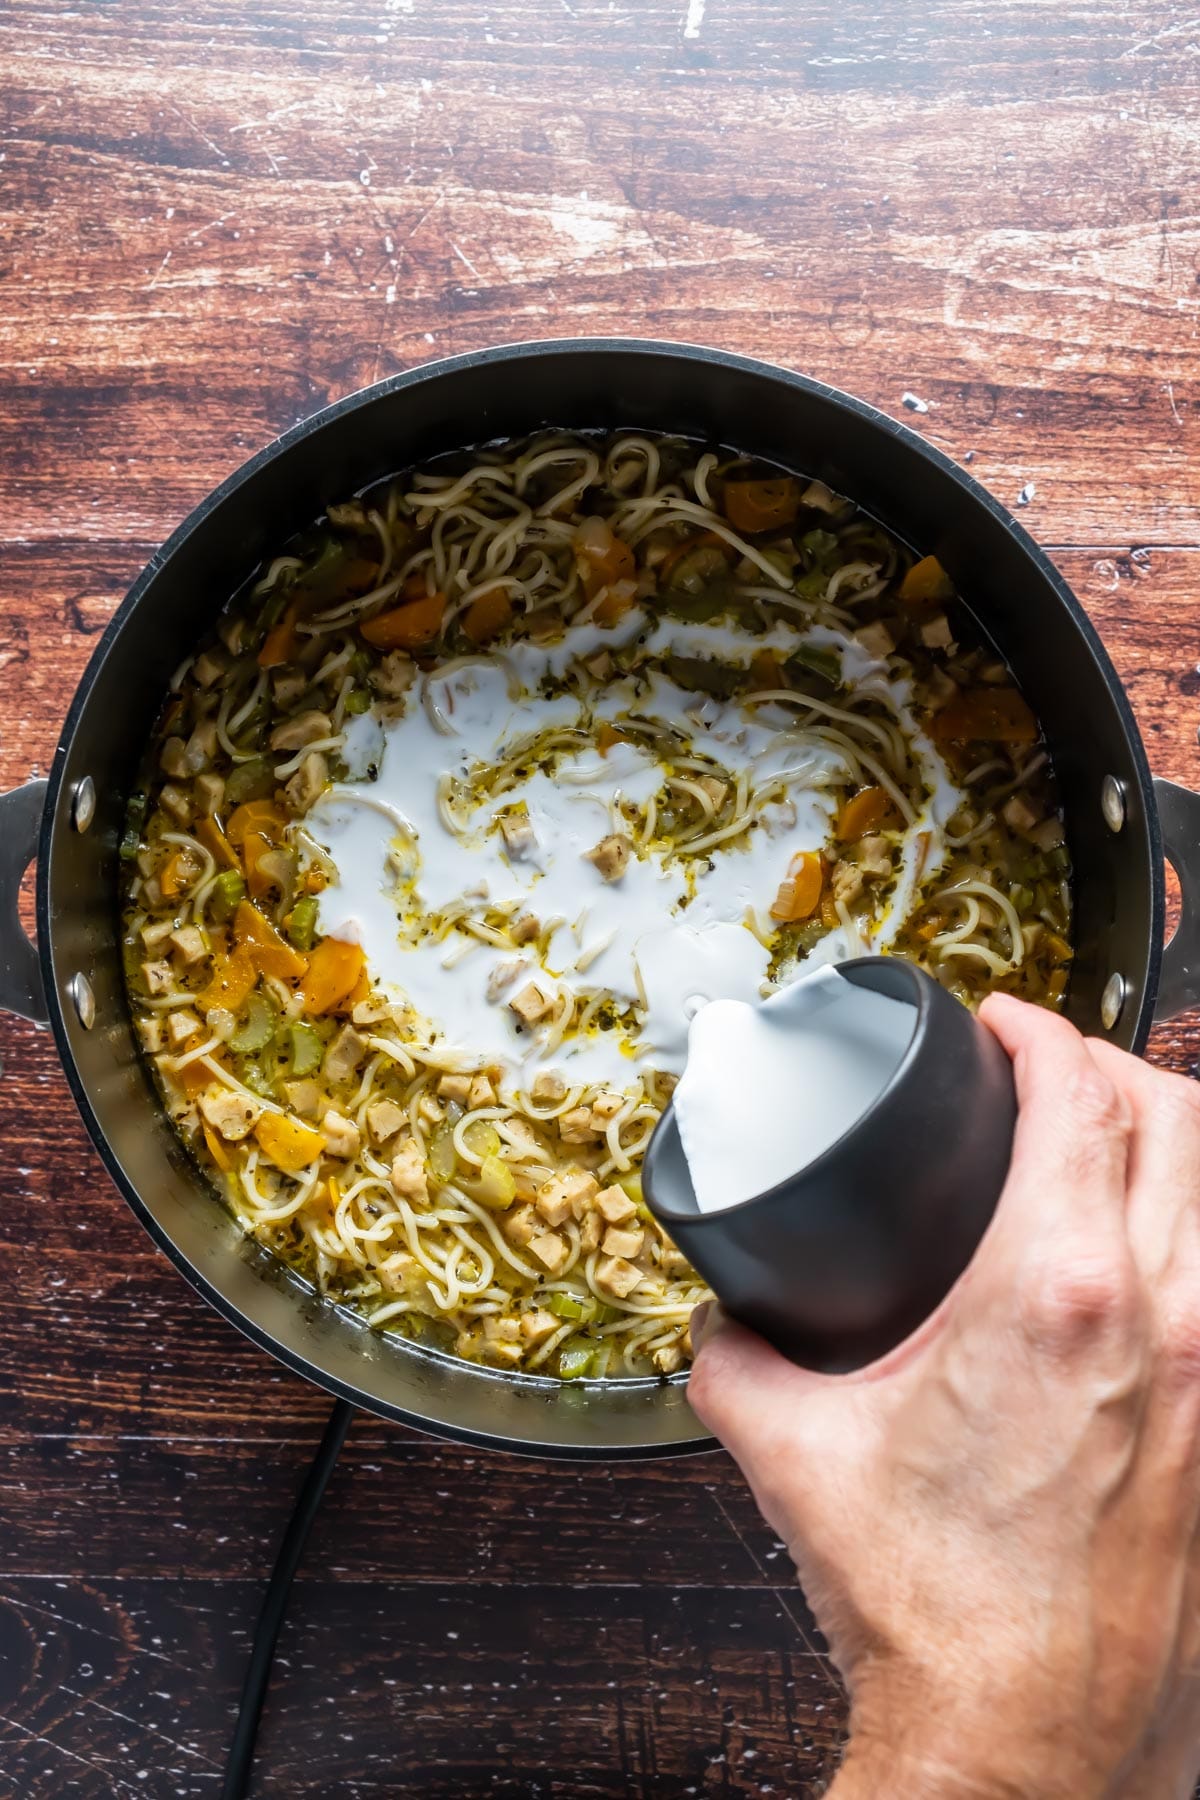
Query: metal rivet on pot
[
  {"x": 83, "y": 1000},
  {"x": 1112, "y": 1001},
  {"x": 83, "y": 805},
  {"x": 1112, "y": 802}
]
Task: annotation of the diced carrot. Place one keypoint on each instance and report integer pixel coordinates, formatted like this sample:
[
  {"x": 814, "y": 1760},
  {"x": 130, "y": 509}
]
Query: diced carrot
[
  {"x": 261, "y": 816},
  {"x": 280, "y": 644},
  {"x": 209, "y": 833},
  {"x": 926, "y": 584},
  {"x": 287, "y": 1143},
  {"x": 193, "y": 1078},
  {"x": 766, "y": 672},
  {"x": 868, "y": 810},
  {"x": 234, "y": 977},
  {"x": 754, "y": 506},
  {"x": 830, "y": 917},
  {"x": 604, "y": 565},
  {"x": 176, "y": 873},
  {"x": 990, "y": 715},
  {"x": 406, "y": 627},
  {"x": 800, "y": 894},
  {"x": 488, "y": 615},
  {"x": 217, "y": 1149},
  {"x": 316, "y": 881},
  {"x": 606, "y": 736},
  {"x": 266, "y": 950},
  {"x": 333, "y": 969},
  {"x": 360, "y": 991}
]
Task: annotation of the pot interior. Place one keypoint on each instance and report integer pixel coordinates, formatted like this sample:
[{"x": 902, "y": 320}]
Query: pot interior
[{"x": 912, "y": 490}]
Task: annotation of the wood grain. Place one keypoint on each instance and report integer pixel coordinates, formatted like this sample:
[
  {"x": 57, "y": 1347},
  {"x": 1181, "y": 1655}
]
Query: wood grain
[{"x": 217, "y": 218}]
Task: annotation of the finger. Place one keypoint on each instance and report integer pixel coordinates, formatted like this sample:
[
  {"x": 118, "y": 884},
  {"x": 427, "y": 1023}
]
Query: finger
[
  {"x": 1164, "y": 1167},
  {"x": 745, "y": 1392},
  {"x": 1073, "y": 1124}
]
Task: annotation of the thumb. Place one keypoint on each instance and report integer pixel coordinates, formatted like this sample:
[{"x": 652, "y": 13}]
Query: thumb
[{"x": 745, "y": 1392}]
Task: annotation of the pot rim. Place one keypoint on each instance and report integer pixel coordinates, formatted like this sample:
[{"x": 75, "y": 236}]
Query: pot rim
[{"x": 916, "y": 446}]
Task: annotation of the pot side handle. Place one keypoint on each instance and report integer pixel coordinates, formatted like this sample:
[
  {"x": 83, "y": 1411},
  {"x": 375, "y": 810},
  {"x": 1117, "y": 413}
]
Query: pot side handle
[
  {"x": 1179, "y": 817},
  {"x": 21, "y": 989}
]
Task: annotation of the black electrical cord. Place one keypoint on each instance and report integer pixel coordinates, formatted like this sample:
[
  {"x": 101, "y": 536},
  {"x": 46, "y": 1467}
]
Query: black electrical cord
[{"x": 262, "y": 1650}]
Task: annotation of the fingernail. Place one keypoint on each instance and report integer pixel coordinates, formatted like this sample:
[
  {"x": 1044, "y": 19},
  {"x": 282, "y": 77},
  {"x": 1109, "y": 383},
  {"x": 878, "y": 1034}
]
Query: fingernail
[{"x": 702, "y": 1321}]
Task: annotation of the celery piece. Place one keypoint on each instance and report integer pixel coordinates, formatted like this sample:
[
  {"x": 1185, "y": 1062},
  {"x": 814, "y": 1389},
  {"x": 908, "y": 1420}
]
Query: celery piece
[
  {"x": 301, "y": 922},
  {"x": 305, "y": 1049},
  {"x": 443, "y": 1157},
  {"x": 481, "y": 1138},
  {"x": 257, "y": 1028},
  {"x": 571, "y": 1306},
  {"x": 251, "y": 780},
  {"x": 496, "y": 1185},
  {"x": 576, "y": 1358},
  {"x": 819, "y": 660},
  {"x": 251, "y": 1074},
  {"x": 358, "y": 700},
  {"x": 135, "y": 818},
  {"x": 227, "y": 890}
]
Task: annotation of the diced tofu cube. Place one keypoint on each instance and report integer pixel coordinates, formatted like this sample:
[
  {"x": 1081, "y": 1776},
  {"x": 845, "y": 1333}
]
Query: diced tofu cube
[
  {"x": 875, "y": 856},
  {"x": 172, "y": 759},
  {"x": 188, "y": 943},
  {"x": 156, "y": 932},
  {"x": 501, "y": 1331},
  {"x": 1018, "y": 813},
  {"x": 548, "y": 1088},
  {"x": 1048, "y": 834},
  {"x": 538, "y": 1324},
  {"x": 821, "y": 498},
  {"x": 455, "y": 1087},
  {"x": 600, "y": 666},
  {"x": 618, "y": 1277},
  {"x": 590, "y": 1233},
  {"x": 201, "y": 746},
  {"x": 177, "y": 801},
  {"x": 305, "y": 728},
  {"x": 550, "y": 1250},
  {"x": 622, "y": 1243},
  {"x": 520, "y": 1224},
  {"x": 158, "y": 977},
  {"x": 553, "y": 1203},
  {"x": 524, "y": 928},
  {"x": 394, "y": 675},
  {"x": 876, "y": 639},
  {"x": 429, "y": 1110},
  {"x": 344, "y": 1054},
  {"x": 210, "y": 792},
  {"x": 384, "y": 1119},
  {"x": 181, "y": 1026},
  {"x": 518, "y": 834},
  {"x": 342, "y": 1136},
  {"x": 615, "y": 1206},
  {"x": 351, "y": 514},
  {"x": 208, "y": 667},
  {"x": 846, "y": 882},
  {"x": 672, "y": 1261},
  {"x": 581, "y": 1189},
  {"x": 304, "y": 1097},
  {"x": 577, "y": 1127},
  {"x": 231, "y": 1115},
  {"x": 936, "y": 633},
  {"x": 668, "y": 1359},
  {"x": 150, "y": 1034},
  {"x": 309, "y": 781},
  {"x": 482, "y": 1093},
  {"x": 611, "y": 856},
  {"x": 287, "y": 685},
  {"x": 606, "y": 1107},
  {"x": 408, "y": 1172},
  {"x": 231, "y": 629},
  {"x": 531, "y": 1004},
  {"x": 715, "y": 789},
  {"x": 401, "y": 1273}
]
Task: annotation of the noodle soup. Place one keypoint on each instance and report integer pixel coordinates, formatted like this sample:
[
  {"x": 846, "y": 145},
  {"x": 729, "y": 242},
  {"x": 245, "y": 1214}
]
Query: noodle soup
[{"x": 480, "y": 789}]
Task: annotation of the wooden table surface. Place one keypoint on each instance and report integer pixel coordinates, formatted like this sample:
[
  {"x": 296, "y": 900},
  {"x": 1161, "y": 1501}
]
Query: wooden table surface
[{"x": 216, "y": 218}]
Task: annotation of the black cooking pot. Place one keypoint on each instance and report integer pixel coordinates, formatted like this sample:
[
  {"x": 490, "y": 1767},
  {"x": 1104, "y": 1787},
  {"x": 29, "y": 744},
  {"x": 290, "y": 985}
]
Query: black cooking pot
[{"x": 72, "y": 823}]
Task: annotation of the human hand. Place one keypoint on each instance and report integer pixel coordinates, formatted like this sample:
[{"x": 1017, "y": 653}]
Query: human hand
[{"x": 998, "y": 1525}]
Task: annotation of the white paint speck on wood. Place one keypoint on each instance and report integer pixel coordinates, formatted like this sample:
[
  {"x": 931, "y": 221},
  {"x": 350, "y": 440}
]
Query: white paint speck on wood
[{"x": 694, "y": 19}]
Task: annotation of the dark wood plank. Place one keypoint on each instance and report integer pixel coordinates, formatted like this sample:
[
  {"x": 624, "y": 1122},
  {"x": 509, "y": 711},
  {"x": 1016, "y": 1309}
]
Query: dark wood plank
[{"x": 217, "y": 218}]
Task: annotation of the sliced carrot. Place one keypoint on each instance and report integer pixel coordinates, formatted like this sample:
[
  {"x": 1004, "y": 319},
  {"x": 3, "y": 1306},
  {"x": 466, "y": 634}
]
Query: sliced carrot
[
  {"x": 926, "y": 584},
  {"x": 281, "y": 644},
  {"x": 488, "y": 615},
  {"x": 800, "y": 894},
  {"x": 216, "y": 1148},
  {"x": 176, "y": 873},
  {"x": 316, "y": 881},
  {"x": 234, "y": 977},
  {"x": 868, "y": 810},
  {"x": 261, "y": 816},
  {"x": 754, "y": 506},
  {"x": 333, "y": 970},
  {"x": 601, "y": 567},
  {"x": 360, "y": 991},
  {"x": 266, "y": 950},
  {"x": 406, "y": 627},
  {"x": 287, "y": 1143},
  {"x": 990, "y": 715},
  {"x": 215, "y": 840},
  {"x": 606, "y": 736}
]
